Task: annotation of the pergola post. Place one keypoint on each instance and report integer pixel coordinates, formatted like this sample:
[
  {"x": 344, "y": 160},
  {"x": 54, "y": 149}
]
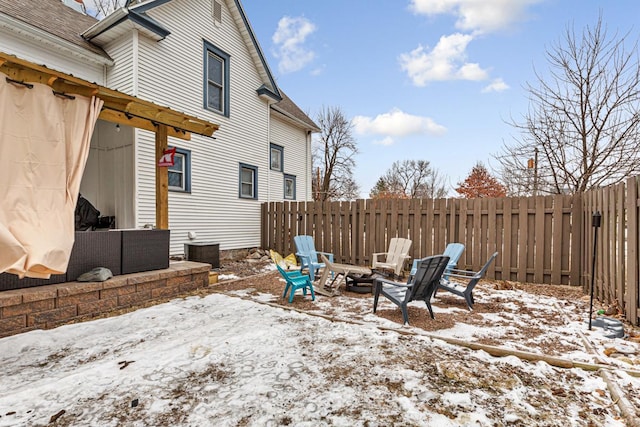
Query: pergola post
[{"x": 162, "y": 180}]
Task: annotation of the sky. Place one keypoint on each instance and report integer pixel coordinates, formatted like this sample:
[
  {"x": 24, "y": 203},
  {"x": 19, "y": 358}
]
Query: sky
[
  {"x": 234, "y": 359},
  {"x": 435, "y": 80}
]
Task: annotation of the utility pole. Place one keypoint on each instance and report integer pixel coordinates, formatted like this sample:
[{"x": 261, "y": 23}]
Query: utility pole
[
  {"x": 318, "y": 184},
  {"x": 533, "y": 164},
  {"x": 535, "y": 173}
]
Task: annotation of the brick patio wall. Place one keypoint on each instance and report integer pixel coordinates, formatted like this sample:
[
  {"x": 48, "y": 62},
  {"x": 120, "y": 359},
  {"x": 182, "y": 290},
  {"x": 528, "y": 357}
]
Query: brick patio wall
[{"x": 46, "y": 307}]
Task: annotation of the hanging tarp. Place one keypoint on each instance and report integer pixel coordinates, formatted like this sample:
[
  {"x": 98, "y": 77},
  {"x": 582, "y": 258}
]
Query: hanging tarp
[{"x": 44, "y": 145}]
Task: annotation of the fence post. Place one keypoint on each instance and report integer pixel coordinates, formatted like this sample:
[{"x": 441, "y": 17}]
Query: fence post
[
  {"x": 596, "y": 224},
  {"x": 576, "y": 240}
]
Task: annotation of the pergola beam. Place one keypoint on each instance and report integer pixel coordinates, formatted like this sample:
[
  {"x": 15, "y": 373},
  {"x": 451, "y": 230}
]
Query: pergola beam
[
  {"x": 118, "y": 108},
  {"x": 133, "y": 108}
]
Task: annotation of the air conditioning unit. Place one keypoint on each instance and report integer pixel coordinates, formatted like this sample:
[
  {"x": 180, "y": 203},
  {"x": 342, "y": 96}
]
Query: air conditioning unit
[{"x": 206, "y": 252}]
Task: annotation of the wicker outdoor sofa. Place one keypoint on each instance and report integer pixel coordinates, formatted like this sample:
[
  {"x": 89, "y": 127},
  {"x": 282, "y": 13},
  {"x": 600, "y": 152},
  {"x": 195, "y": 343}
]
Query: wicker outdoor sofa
[{"x": 121, "y": 251}]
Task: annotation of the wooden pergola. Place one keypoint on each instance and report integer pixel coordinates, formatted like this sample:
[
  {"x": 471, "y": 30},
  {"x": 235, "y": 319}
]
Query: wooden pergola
[{"x": 118, "y": 108}]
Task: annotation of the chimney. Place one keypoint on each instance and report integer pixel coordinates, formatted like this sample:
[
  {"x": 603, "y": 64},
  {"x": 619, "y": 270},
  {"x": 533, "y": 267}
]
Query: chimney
[{"x": 74, "y": 4}]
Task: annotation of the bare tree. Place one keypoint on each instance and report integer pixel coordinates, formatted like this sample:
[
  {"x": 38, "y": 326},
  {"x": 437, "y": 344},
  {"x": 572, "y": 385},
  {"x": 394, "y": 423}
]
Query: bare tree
[
  {"x": 410, "y": 179},
  {"x": 583, "y": 123},
  {"x": 333, "y": 157},
  {"x": 101, "y": 8}
]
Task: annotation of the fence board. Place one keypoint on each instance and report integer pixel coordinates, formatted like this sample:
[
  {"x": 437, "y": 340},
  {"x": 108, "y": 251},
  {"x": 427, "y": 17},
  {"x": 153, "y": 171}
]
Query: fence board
[
  {"x": 600, "y": 247},
  {"x": 507, "y": 251},
  {"x": 523, "y": 235},
  {"x": 491, "y": 234},
  {"x": 414, "y": 226},
  {"x": 499, "y": 262},
  {"x": 484, "y": 231},
  {"x": 451, "y": 221},
  {"x": 477, "y": 235},
  {"x": 556, "y": 239},
  {"x": 380, "y": 241},
  {"x": 440, "y": 240},
  {"x": 620, "y": 273},
  {"x": 540, "y": 238},
  {"x": 467, "y": 225},
  {"x": 612, "y": 243},
  {"x": 605, "y": 230},
  {"x": 631, "y": 298},
  {"x": 429, "y": 226}
]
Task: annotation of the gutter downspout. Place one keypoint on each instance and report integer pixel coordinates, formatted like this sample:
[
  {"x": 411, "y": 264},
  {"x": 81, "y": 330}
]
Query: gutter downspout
[
  {"x": 136, "y": 149},
  {"x": 308, "y": 169},
  {"x": 269, "y": 103}
]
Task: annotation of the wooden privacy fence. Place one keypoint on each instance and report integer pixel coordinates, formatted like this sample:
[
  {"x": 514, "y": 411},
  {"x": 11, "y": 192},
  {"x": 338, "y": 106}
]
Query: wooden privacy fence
[
  {"x": 616, "y": 255},
  {"x": 544, "y": 239},
  {"x": 535, "y": 237}
]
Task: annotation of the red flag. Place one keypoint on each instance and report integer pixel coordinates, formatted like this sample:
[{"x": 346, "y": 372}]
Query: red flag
[{"x": 167, "y": 158}]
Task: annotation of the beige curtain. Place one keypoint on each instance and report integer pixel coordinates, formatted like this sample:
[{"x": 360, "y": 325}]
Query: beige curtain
[{"x": 44, "y": 145}]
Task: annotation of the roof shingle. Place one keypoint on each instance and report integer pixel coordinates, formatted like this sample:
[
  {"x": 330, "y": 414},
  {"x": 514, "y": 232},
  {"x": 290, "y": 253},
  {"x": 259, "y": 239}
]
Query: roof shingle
[{"x": 54, "y": 17}]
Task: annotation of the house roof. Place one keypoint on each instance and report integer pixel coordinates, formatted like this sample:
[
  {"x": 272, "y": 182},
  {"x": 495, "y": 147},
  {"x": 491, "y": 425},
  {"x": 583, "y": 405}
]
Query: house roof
[
  {"x": 125, "y": 19},
  {"x": 53, "y": 17},
  {"x": 287, "y": 107}
]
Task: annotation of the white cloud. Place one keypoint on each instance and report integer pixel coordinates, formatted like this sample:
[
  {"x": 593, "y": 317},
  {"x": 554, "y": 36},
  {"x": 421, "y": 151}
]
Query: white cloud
[
  {"x": 497, "y": 85},
  {"x": 386, "y": 141},
  {"x": 445, "y": 62},
  {"x": 476, "y": 15},
  {"x": 396, "y": 123},
  {"x": 289, "y": 38},
  {"x": 317, "y": 71}
]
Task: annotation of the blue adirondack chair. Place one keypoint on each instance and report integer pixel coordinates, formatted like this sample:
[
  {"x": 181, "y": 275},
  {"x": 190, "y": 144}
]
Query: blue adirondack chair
[
  {"x": 453, "y": 251},
  {"x": 295, "y": 280},
  {"x": 308, "y": 256},
  {"x": 455, "y": 283}
]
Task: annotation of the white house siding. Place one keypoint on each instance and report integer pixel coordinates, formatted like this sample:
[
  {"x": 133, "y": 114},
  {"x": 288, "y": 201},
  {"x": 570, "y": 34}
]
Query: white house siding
[
  {"x": 40, "y": 52},
  {"x": 107, "y": 181},
  {"x": 170, "y": 73},
  {"x": 295, "y": 156},
  {"x": 121, "y": 76}
]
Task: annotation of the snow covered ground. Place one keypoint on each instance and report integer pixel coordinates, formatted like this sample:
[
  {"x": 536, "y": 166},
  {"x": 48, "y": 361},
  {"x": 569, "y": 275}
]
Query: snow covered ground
[{"x": 234, "y": 360}]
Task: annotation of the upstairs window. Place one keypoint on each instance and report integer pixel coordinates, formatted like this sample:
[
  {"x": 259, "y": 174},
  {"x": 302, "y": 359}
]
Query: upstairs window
[
  {"x": 216, "y": 79},
  {"x": 277, "y": 153}
]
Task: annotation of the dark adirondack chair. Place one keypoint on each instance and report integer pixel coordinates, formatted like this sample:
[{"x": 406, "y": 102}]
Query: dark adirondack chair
[
  {"x": 454, "y": 282},
  {"x": 422, "y": 286}
]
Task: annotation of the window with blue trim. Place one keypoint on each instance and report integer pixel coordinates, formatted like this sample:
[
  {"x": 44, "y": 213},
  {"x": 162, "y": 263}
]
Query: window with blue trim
[
  {"x": 277, "y": 157},
  {"x": 180, "y": 172},
  {"x": 289, "y": 187},
  {"x": 216, "y": 79},
  {"x": 248, "y": 181}
]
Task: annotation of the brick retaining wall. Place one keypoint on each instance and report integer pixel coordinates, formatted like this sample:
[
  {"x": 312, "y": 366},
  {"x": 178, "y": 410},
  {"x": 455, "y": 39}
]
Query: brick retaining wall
[{"x": 49, "y": 306}]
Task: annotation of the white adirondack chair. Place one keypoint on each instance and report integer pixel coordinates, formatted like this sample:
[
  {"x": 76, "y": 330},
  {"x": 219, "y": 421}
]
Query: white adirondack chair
[{"x": 395, "y": 257}]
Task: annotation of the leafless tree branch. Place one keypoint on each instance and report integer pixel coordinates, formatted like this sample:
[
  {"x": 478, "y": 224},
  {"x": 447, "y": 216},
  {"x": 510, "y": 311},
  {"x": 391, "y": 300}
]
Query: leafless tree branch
[
  {"x": 334, "y": 157},
  {"x": 584, "y": 118}
]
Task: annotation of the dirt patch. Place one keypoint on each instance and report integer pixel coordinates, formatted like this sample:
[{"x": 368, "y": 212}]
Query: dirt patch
[{"x": 502, "y": 315}]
